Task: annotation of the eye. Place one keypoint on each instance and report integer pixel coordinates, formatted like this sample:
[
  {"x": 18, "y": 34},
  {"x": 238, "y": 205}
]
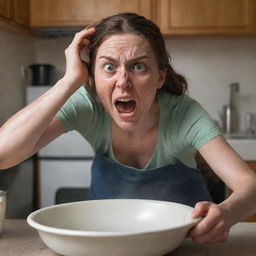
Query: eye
[
  {"x": 108, "y": 67},
  {"x": 139, "y": 67}
]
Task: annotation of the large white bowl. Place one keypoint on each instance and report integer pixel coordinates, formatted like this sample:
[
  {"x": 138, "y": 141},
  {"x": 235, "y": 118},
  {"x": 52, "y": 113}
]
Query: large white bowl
[{"x": 118, "y": 227}]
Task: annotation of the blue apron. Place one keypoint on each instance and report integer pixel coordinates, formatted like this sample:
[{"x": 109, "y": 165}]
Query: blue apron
[{"x": 175, "y": 182}]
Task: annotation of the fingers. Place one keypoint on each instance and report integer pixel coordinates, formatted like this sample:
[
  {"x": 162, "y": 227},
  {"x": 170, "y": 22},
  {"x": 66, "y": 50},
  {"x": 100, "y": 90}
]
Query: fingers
[
  {"x": 200, "y": 209},
  {"x": 205, "y": 225},
  {"x": 213, "y": 227},
  {"x": 212, "y": 215},
  {"x": 76, "y": 56},
  {"x": 87, "y": 32},
  {"x": 81, "y": 40},
  {"x": 218, "y": 233},
  {"x": 84, "y": 47},
  {"x": 83, "y": 34}
]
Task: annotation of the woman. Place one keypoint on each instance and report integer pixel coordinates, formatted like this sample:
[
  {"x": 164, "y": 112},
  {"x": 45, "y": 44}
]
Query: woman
[{"x": 143, "y": 128}]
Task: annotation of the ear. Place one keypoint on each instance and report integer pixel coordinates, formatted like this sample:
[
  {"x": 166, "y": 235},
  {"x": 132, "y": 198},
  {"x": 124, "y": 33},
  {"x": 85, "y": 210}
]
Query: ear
[{"x": 162, "y": 76}]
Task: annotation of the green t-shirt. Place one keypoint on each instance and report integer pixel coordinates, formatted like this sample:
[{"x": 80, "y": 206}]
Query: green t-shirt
[{"x": 184, "y": 127}]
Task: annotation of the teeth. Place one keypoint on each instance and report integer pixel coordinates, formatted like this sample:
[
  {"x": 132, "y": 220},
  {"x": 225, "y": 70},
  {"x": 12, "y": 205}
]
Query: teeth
[{"x": 124, "y": 100}]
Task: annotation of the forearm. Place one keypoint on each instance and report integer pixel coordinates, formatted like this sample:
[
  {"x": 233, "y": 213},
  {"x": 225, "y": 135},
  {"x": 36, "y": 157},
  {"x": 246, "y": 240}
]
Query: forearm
[
  {"x": 32, "y": 128},
  {"x": 20, "y": 134},
  {"x": 230, "y": 167},
  {"x": 242, "y": 202}
]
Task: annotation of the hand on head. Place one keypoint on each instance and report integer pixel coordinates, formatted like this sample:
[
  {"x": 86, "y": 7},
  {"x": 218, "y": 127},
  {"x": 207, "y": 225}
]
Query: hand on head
[{"x": 76, "y": 69}]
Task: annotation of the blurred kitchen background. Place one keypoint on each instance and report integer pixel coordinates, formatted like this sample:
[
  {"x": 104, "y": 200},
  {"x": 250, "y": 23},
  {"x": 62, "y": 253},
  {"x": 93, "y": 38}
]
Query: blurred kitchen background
[{"x": 211, "y": 42}]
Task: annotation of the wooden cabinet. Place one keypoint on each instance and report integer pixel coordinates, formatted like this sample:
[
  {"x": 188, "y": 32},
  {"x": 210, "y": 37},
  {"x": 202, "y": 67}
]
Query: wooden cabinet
[
  {"x": 184, "y": 17},
  {"x": 5, "y": 8},
  {"x": 47, "y": 13},
  {"x": 252, "y": 165},
  {"x": 253, "y": 217},
  {"x": 16, "y": 11},
  {"x": 174, "y": 17},
  {"x": 21, "y": 11}
]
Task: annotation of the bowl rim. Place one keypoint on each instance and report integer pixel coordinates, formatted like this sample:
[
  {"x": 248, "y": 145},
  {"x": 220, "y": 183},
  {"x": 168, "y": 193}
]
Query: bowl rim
[{"x": 103, "y": 234}]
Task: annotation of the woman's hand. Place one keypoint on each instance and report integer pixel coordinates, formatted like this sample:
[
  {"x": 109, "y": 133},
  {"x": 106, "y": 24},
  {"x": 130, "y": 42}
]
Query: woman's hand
[
  {"x": 214, "y": 227},
  {"x": 76, "y": 69}
]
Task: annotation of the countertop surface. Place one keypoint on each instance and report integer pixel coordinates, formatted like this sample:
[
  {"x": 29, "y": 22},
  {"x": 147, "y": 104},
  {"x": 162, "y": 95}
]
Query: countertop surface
[
  {"x": 244, "y": 147},
  {"x": 19, "y": 239}
]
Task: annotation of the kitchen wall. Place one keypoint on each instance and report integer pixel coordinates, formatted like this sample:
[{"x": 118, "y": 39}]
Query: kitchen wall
[
  {"x": 15, "y": 51},
  {"x": 211, "y": 64},
  {"x": 51, "y": 50}
]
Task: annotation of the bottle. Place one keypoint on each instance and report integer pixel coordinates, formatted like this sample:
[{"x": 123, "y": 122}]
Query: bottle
[{"x": 228, "y": 119}]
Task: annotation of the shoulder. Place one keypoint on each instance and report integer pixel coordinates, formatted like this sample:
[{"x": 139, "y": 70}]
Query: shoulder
[
  {"x": 82, "y": 96},
  {"x": 83, "y": 101},
  {"x": 79, "y": 110},
  {"x": 178, "y": 106},
  {"x": 174, "y": 100},
  {"x": 188, "y": 120}
]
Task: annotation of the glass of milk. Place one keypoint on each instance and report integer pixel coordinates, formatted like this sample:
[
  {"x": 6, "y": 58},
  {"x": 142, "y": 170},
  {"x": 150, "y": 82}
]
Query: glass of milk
[{"x": 2, "y": 209}]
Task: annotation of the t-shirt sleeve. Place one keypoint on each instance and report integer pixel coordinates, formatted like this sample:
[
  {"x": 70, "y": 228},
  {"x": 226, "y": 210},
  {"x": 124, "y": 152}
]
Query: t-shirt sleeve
[
  {"x": 78, "y": 113},
  {"x": 196, "y": 125}
]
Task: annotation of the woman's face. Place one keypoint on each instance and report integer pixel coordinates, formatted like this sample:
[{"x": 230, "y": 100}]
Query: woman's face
[{"x": 127, "y": 78}]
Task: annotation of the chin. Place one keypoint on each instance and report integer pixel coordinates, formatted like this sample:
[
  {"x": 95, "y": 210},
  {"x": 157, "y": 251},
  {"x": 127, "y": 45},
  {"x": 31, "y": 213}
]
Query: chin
[
  {"x": 126, "y": 122},
  {"x": 126, "y": 126}
]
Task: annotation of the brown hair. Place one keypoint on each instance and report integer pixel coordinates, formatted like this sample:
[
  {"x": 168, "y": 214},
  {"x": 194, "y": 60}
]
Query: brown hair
[{"x": 136, "y": 24}]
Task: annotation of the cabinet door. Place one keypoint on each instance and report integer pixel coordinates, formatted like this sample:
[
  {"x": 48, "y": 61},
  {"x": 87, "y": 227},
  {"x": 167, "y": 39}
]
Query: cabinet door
[
  {"x": 17, "y": 11},
  {"x": 84, "y": 12},
  {"x": 207, "y": 16},
  {"x": 5, "y": 8},
  {"x": 253, "y": 217},
  {"x": 21, "y": 12}
]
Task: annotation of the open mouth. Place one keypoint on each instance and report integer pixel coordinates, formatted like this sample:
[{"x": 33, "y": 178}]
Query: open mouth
[{"x": 125, "y": 106}]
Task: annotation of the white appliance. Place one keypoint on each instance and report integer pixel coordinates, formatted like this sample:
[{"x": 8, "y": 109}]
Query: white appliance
[{"x": 65, "y": 162}]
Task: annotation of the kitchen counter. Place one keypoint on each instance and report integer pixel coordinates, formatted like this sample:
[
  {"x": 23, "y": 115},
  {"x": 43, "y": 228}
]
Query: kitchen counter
[
  {"x": 20, "y": 239},
  {"x": 244, "y": 147}
]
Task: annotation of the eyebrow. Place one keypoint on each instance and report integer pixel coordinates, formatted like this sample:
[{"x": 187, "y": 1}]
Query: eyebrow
[{"x": 131, "y": 60}]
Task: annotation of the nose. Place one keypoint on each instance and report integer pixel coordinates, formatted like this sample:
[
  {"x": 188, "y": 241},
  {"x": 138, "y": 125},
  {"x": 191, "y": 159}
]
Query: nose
[{"x": 123, "y": 80}]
